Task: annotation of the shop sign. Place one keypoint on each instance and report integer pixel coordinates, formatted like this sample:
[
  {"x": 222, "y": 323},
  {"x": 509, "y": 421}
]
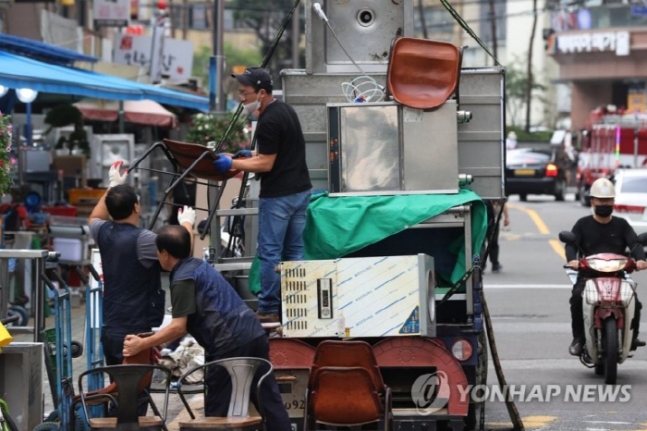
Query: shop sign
[
  {"x": 617, "y": 42},
  {"x": 177, "y": 55},
  {"x": 111, "y": 12}
]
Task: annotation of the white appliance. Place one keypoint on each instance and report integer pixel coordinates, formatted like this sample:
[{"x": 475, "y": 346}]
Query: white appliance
[
  {"x": 386, "y": 296},
  {"x": 107, "y": 149}
]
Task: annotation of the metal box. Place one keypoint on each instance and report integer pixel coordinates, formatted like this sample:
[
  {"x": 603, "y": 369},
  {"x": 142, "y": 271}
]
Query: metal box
[
  {"x": 375, "y": 23},
  {"x": 480, "y": 141},
  {"x": 386, "y": 296},
  {"x": 388, "y": 148},
  {"x": 21, "y": 383}
]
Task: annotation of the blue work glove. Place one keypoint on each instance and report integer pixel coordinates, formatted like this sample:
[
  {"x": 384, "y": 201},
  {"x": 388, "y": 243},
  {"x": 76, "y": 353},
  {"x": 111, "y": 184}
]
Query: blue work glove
[
  {"x": 243, "y": 153},
  {"x": 222, "y": 164}
]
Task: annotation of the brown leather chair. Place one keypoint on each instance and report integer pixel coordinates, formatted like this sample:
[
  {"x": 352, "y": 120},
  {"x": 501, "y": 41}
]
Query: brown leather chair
[
  {"x": 422, "y": 73},
  {"x": 346, "y": 387}
]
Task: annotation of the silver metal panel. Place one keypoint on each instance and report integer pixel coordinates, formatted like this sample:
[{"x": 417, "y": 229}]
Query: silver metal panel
[
  {"x": 376, "y": 23},
  {"x": 430, "y": 153},
  {"x": 480, "y": 141},
  {"x": 21, "y": 383}
]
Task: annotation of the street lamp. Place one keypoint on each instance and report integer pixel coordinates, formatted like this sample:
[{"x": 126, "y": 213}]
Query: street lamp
[{"x": 27, "y": 95}]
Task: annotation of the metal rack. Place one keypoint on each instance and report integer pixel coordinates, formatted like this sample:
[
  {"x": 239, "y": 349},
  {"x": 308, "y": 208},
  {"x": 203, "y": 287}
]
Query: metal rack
[{"x": 38, "y": 295}]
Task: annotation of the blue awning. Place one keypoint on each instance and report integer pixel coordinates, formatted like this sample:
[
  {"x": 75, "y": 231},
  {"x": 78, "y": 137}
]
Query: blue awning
[
  {"x": 41, "y": 50},
  {"x": 17, "y": 72}
]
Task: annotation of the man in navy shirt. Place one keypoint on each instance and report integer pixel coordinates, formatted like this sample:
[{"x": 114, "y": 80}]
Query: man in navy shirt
[{"x": 208, "y": 308}]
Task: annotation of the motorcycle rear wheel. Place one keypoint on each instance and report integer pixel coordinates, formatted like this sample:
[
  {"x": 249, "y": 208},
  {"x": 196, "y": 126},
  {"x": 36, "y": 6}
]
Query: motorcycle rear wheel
[{"x": 610, "y": 342}]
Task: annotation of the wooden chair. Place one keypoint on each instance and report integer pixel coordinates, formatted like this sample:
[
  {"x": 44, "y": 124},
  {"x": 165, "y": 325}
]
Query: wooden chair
[
  {"x": 129, "y": 382},
  {"x": 422, "y": 73},
  {"x": 242, "y": 372},
  {"x": 346, "y": 387}
]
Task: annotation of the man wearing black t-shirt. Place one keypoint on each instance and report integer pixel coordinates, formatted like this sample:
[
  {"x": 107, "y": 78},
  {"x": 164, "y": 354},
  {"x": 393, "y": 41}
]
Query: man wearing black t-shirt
[
  {"x": 601, "y": 233},
  {"x": 280, "y": 158}
]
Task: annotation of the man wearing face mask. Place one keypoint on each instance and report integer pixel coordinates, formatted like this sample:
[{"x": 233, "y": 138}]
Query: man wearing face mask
[
  {"x": 601, "y": 233},
  {"x": 280, "y": 158}
]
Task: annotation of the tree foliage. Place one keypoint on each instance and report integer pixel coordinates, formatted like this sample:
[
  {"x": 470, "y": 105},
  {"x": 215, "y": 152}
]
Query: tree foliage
[
  {"x": 516, "y": 91},
  {"x": 265, "y": 18}
]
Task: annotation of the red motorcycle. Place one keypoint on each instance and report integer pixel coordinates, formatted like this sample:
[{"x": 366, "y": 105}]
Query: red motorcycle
[{"x": 608, "y": 304}]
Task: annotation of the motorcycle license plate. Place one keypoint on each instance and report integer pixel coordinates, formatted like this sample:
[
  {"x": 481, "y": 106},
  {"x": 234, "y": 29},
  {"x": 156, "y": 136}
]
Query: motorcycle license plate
[{"x": 522, "y": 172}]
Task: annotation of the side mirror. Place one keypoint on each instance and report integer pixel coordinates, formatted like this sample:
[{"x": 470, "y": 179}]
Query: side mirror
[
  {"x": 568, "y": 237},
  {"x": 642, "y": 238}
]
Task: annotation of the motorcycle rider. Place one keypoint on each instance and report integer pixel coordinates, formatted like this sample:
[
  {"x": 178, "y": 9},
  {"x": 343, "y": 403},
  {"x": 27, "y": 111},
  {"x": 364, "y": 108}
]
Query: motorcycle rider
[{"x": 600, "y": 233}]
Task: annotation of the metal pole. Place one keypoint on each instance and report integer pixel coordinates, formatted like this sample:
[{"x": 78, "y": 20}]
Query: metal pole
[
  {"x": 218, "y": 51},
  {"x": 121, "y": 117},
  {"x": 295, "y": 38}
]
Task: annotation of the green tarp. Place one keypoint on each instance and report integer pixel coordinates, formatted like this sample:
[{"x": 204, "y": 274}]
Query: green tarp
[{"x": 338, "y": 226}]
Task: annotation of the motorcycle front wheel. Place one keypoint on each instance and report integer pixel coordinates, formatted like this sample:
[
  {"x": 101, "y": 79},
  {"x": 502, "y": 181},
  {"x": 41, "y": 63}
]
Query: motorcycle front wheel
[{"x": 610, "y": 343}]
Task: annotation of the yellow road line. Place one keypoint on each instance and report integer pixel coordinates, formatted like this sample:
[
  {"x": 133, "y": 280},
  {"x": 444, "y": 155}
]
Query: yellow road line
[
  {"x": 558, "y": 247},
  {"x": 541, "y": 226}
]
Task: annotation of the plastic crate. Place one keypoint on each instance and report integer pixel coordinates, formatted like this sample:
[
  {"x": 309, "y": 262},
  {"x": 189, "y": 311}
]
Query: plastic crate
[
  {"x": 75, "y": 195},
  {"x": 60, "y": 211}
]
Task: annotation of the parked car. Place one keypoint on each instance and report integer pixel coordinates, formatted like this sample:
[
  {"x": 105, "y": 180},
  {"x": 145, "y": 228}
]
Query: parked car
[
  {"x": 631, "y": 197},
  {"x": 536, "y": 171}
]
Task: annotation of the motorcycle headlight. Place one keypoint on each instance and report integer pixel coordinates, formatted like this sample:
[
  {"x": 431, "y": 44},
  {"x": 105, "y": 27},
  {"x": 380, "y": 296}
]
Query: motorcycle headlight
[
  {"x": 607, "y": 265},
  {"x": 591, "y": 293}
]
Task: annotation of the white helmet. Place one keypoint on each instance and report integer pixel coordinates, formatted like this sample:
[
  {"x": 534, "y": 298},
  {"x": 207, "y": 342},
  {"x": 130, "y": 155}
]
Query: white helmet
[{"x": 602, "y": 188}]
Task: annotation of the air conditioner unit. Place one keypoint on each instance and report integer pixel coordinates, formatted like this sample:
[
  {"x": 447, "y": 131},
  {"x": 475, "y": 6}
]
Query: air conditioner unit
[{"x": 386, "y": 296}]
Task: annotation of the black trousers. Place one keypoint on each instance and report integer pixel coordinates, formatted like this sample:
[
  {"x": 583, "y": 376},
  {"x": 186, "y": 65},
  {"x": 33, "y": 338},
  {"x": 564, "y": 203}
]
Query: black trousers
[
  {"x": 577, "y": 315},
  {"x": 493, "y": 237},
  {"x": 112, "y": 342},
  {"x": 218, "y": 387}
]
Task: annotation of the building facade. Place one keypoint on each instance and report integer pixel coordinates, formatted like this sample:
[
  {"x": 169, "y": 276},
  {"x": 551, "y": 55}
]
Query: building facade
[{"x": 601, "y": 50}]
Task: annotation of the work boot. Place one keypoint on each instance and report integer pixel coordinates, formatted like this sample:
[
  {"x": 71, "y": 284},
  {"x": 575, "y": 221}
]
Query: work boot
[
  {"x": 575, "y": 348},
  {"x": 636, "y": 342},
  {"x": 267, "y": 318}
]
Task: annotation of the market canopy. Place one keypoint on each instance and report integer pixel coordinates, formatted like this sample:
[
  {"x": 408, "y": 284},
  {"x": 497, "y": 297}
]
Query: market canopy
[
  {"x": 145, "y": 112},
  {"x": 41, "y": 50},
  {"x": 18, "y": 72}
]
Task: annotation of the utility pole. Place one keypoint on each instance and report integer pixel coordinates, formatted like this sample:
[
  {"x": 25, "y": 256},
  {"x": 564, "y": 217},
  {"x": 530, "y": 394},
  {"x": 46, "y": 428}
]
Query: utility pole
[
  {"x": 296, "y": 34},
  {"x": 529, "y": 62},
  {"x": 493, "y": 30},
  {"x": 423, "y": 22},
  {"x": 216, "y": 67}
]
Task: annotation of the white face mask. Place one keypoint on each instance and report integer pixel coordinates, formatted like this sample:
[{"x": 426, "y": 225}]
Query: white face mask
[{"x": 249, "y": 108}]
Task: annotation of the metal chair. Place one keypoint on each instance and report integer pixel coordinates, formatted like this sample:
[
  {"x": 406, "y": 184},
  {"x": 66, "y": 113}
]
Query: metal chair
[
  {"x": 192, "y": 160},
  {"x": 130, "y": 380},
  {"x": 422, "y": 73},
  {"x": 346, "y": 387},
  {"x": 242, "y": 371}
]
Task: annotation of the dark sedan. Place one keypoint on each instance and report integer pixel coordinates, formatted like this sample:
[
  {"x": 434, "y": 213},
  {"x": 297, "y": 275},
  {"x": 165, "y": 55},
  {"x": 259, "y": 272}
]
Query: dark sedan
[{"x": 531, "y": 171}]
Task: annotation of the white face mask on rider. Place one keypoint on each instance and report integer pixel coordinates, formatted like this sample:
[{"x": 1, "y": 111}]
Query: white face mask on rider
[{"x": 251, "y": 107}]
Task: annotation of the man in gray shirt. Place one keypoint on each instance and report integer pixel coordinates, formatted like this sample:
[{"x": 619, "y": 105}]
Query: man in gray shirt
[{"x": 133, "y": 299}]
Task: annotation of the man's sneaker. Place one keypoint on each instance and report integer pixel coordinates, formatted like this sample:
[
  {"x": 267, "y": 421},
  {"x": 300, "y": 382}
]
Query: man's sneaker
[
  {"x": 575, "y": 348},
  {"x": 496, "y": 267},
  {"x": 636, "y": 342},
  {"x": 267, "y": 318}
]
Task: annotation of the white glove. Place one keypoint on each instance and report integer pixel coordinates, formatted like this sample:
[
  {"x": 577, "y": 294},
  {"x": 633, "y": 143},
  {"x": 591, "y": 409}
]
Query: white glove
[
  {"x": 115, "y": 176},
  {"x": 186, "y": 215}
]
